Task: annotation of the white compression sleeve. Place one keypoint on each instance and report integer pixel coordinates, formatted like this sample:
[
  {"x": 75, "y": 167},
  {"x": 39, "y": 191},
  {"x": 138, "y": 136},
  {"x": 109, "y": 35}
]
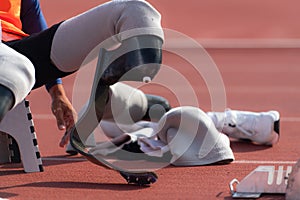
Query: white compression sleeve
[
  {"x": 16, "y": 72},
  {"x": 106, "y": 24}
]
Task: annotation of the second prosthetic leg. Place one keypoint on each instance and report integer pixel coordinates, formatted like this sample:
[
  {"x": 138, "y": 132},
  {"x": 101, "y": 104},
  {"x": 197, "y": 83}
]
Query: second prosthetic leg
[{"x": 136, "y": 58}]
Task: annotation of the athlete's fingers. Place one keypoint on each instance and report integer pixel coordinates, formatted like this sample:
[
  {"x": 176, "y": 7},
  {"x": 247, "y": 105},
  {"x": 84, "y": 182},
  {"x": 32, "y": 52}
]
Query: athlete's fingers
[
  {"x": 65, "y": 139},
  {"x": 59, "y": 115}
]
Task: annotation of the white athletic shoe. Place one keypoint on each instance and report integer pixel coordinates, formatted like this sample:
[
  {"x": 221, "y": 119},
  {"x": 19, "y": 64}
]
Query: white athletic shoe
[{"x": 258, "y": 127}]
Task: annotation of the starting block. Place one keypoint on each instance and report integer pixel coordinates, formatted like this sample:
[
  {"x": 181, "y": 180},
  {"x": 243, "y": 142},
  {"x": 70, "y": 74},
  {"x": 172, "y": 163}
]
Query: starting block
[
  {"x": 263, "y": 180},
  {"x": 18, "y": 142}
]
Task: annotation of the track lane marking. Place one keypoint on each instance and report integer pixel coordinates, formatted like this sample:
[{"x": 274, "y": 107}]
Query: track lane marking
[
  {"x": 50, "y": 116},
  {"x": 281, "y": 162}
]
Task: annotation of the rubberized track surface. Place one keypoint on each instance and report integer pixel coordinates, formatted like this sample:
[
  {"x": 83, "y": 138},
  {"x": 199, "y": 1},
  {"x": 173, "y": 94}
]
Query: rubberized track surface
[{"x": 257, "y": 79}]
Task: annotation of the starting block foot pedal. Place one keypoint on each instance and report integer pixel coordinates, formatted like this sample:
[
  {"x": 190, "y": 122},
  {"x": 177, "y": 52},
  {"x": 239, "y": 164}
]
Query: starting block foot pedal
[
  {"x": 263, "y": 180},
  {"x": 15, "y": 151},
  {"x": 18, "y": 139},
  {"x": 9, "y": 149}
]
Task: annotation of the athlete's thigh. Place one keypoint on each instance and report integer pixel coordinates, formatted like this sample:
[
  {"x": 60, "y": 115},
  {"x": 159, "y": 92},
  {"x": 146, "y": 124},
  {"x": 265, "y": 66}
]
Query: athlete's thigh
[{"x": 37, "y": 49}]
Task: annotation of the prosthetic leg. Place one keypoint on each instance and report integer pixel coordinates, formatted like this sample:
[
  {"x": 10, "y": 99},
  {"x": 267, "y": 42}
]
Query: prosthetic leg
[{"x": 137, "y": 57}]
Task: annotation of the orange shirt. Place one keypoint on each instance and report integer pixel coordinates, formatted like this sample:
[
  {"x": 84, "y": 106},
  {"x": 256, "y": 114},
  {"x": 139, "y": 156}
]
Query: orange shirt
[{"x": 10, "y": 20}]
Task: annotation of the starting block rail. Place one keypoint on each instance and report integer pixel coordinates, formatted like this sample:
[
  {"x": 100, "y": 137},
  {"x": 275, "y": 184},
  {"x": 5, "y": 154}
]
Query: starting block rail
[
  {"x": 18, "y": 141},
  {"x": 9, "y": 149}
]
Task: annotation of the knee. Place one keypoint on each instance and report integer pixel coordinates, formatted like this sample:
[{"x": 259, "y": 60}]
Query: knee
[
  {"x": 189, "y": 121},
  {"x": 139, "y": 18},
  {"x": 27, "y": 72},
  {"x": 24, "y": 73},
  {"x": 186, "y": 116},
  {"x": 126, "y": 104}
]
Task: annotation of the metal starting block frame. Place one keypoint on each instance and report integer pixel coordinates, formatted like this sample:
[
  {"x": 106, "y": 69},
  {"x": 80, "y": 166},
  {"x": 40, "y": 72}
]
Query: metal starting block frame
[
  {"x": 18, "y": 141},
  {"x": 262, "y": 180}
]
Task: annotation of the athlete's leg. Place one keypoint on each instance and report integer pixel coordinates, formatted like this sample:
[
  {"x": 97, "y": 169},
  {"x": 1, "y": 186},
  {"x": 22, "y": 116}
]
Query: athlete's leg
[
  {"x": 123, "y": 28},
  {"x": 112, "y": 22},
  {"x": 37, "y": 48},
  {"x": 61, "y": 49},
  {"x": 127, "y": 105},
  {"x": 16, "y": 78}
]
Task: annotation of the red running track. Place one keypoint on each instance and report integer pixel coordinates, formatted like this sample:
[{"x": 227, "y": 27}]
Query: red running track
[{"x": 257, "y": 79}]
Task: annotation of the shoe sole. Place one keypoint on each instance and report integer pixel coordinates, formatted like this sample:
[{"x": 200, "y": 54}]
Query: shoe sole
[
  {"x": 276, "y": 127},
  {"x": 72, "y": 152}
]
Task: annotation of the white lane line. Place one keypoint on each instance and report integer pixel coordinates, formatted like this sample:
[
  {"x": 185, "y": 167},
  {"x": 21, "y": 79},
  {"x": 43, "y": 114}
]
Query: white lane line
[
  {"x": 282, "y": 162},
  {"x": 290, "y": 119},
  {"x": 175, "y": 42},
  {"x": 42, "y": 116},
  {"x": 50, "y": 116}
]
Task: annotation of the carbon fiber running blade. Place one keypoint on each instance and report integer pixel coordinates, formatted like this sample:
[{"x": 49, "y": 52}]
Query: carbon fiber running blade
[{"x": 138, "y": 178}]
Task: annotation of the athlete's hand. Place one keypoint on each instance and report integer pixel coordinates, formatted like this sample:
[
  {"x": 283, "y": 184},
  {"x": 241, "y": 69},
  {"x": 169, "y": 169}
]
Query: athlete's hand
[{"x": 63, "y": 111}]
